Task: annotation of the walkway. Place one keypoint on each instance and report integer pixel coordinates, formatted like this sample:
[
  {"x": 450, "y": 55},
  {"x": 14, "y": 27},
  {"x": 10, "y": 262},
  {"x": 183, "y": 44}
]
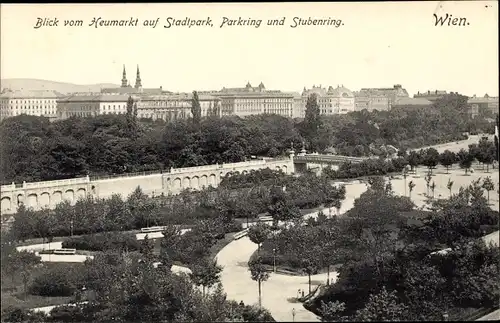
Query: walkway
[
  {"x": 493, "y": 316},
  {"x": 276, "y": 290}
]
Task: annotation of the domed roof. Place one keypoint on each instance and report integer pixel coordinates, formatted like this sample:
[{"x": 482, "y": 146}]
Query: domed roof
[{"x": 340, "y": 91}]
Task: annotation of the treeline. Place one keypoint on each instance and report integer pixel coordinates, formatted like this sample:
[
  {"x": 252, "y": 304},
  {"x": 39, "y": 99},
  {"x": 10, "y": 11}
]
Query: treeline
[
  {"x": 38, "y": 150},
  {"x": 228, "y": 202},
  {"x": 484, "y": 152}
]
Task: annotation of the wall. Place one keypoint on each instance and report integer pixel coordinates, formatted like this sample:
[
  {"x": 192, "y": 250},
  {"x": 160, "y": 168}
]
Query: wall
[{"x": 48, "y": 194}]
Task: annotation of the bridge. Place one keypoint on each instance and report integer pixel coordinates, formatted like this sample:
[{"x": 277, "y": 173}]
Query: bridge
[
  {"x": 317, "y": 163},
  {"x": 48, "y": 194}
]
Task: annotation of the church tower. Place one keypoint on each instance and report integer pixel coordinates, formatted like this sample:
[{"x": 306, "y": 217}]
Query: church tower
[
  {"x": 138, "y": 84},
  {"x": 124, "y": 78}
]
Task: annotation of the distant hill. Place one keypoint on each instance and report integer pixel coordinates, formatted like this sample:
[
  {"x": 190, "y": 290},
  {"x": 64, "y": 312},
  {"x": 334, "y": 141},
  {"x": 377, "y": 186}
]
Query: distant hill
[{"x": 35, "y": 84}]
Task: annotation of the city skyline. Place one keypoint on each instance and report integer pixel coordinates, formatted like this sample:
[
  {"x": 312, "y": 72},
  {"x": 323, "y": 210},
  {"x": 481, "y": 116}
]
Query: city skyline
[{"x": 400, "y": 45}]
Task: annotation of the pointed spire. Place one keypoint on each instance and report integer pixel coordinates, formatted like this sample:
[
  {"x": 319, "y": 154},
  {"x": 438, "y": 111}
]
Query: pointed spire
[
  {"x": 138, "y": 79},
  {"x": 124, "y": 77}
]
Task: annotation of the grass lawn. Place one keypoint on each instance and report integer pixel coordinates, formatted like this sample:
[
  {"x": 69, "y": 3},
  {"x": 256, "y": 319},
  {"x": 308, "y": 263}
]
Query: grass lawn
[{"x": 12, "y": 292}]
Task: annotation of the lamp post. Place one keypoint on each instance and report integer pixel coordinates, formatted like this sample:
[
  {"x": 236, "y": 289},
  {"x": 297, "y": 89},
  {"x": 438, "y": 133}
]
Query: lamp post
[
  {"x": 274, "y": 260},
  {"x": 293, "y": 314}
]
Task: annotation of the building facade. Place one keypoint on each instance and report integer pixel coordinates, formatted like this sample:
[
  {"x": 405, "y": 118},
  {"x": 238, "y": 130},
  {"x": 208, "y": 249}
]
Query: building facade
[
  {"x": 488, "y": 104},
  {"x": 35, "y": 103},
  {"x": 380, "y": 99},
  {"x": 254, "y": 100},
  {"x": 92, "y": 104},
  {"x": 176, "y": 106},
  {"x": 331, "y": 101}
]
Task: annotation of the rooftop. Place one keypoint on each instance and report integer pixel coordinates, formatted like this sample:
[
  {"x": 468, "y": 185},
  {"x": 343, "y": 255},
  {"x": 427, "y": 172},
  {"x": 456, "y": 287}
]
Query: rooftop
[
  {"x": 412, "y": 101},
  {"x": 95, "y": 97},
  {"x": 28, "y": 94}
]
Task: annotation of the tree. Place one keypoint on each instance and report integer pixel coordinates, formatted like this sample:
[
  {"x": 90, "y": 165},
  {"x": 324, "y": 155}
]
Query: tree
[
  {"x": 486, "y": 152},
  {"x": 411, "y": 186},
  {"x": 449, "y": 185},
  {"x": 22, "y": 262},
  {"x": 259, "y": 274},
  {"x": 258, "y": 234},
  {"x": 312, "y": 121},
  {"x": 383, "y": 306},
  {"x": 433, "y": 187},
  {"x": 447, "y": 158},
  {"x": 309, "y": 264},
  {"x": 413, "y": 159},
  {"x": 280, "y": 208},
  {"x": 196, "y": 108},
  {"x": 465, "y": 159},
  {"x": 206, "y": 273},
  {"x": 131, "y": 119},
  {"x": 428, "y": 179},
  {"x": 147, "y": 248},
  {"x": 332, "y": 312},
  {"x": 430, "y": 158},
  {"x": 488, "y": 185}
]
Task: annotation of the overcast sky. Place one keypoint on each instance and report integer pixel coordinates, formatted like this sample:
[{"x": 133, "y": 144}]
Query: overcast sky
[{"x": 379, "y": 45}]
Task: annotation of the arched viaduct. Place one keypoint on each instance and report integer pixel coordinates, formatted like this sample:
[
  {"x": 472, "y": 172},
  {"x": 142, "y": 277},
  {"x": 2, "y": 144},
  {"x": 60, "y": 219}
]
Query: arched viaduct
[{"x": 48, "y": 194}]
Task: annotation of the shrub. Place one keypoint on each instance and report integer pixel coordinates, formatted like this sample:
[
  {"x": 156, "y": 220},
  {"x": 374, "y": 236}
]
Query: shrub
[
  {"x": 53, "y": 282},
  {"x": 15, "y": 314},
  {"x": 104, "y": 241}
]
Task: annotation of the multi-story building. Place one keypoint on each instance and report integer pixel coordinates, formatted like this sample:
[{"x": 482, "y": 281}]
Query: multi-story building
[
  {"x": 488, "y": 104},
  {"x": 339, "y": 100},
  {"x": 254, "y": 100},
  {"x": 176, "y": 106},
  {"x": 36, "y": 103},
  {"x": 92, "y": 104},
  {"x": 431, "y": 95},
  {"x": 380, "y": 99}
]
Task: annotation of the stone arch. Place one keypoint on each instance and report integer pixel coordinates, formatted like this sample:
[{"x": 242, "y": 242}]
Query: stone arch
[
  {"x": 69, "y": 195},
  {"x": 211, "y": 180},
  {"x": 177, "y": 184},
  {"x": 195, "y": 182},
  {"x": 32, "y": 200},
  {"x": 81, "y": 193},
  {"x": 56, "y": 198},
  {"x": 6, "y": 203},
  {"x": 44, "y": 199},
  {"x": 186, "y": 182},
  {"x": 20, "y": 199},
  {"x": 235, "y": 173},
  {"x": 204, "y": 181},
  {"x": 244, "y": 172},
  {"x": 284, "y": 168},
  {"x": 278, "y": 168}
]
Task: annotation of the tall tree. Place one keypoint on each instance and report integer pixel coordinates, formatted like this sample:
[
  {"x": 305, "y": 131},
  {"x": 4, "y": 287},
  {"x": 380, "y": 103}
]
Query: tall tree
[
  {"x": 447, "y": 158},
  {"x": 131, "y": 118},
  {"x": 259, "y": 274},
  {"x": 206, "y": 273},
  {"x": 312, "y": 121},
  {"x": 196, "y": 108},
  {"x": 488, "y": 185},
  {"x": 258, "y": 234},
  {"x": 465, "y": 159},
  {"x": 430, "y": 158}
]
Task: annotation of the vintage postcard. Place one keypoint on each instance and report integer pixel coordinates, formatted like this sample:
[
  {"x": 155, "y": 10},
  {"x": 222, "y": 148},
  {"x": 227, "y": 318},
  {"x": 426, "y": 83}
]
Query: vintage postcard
[{"x": 249, "y": 162}]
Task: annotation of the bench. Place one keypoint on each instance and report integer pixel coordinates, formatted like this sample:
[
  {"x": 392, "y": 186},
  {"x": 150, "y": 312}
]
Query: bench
[
  {"x": 240, "y": 234},
  {"x": 265, "y": 218},
  {"x": 64, "y": 251},
  {"x": 152, "y": 229}
]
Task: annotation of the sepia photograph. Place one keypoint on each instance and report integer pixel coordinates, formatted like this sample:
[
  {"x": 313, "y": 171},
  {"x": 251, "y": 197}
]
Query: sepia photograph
[{"x": 249, "y": 162}]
